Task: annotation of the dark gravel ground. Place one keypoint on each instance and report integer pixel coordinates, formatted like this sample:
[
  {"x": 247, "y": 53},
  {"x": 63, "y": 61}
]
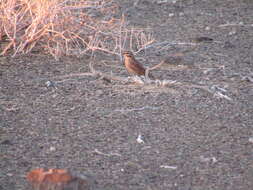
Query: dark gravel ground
[{"x": 193, "y": 138}]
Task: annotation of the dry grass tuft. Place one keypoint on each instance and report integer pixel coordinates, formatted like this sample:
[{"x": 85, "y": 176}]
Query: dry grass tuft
[{"x": 66, "y": 27}]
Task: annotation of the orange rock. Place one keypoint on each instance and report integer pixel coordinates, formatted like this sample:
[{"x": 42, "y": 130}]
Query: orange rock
[
  {"x": 58, "y": 179},
  {"x": 35, "y": 176},
  {"x": 57, "y": 176}
]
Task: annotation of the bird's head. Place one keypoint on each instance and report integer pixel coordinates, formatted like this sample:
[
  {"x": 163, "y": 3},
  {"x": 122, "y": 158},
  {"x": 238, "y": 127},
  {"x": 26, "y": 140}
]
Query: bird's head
[{"x": 128, "y": 54}]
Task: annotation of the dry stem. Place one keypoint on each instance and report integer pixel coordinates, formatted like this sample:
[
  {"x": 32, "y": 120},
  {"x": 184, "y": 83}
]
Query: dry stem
[{"x": 67, "y": 27}]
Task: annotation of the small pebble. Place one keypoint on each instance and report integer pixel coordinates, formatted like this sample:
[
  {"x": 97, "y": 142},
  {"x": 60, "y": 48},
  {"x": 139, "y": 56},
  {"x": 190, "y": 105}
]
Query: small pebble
[
  {"x": 181, "y": 14},
  {"x": 49, "y": 83},
  {"x": 9, "y": 174},
  {"x": 207, "y": 28},
  {"x": 139, "y": 139},
  {"x": 52, "y": 148},
  {"x": 232, "y": 32},
  {"x": 99, "y": 92}
]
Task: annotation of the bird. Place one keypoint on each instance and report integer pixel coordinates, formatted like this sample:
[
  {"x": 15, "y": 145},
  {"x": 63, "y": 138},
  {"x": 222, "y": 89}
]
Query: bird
[{"x": 132, "y": 65}]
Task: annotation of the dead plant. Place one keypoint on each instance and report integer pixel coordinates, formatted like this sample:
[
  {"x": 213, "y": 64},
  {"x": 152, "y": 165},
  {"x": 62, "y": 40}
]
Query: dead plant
[{"x": 67, "y": 27}]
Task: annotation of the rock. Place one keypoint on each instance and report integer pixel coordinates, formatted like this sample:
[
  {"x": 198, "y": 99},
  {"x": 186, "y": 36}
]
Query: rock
[{"x": 58, "y": 179}]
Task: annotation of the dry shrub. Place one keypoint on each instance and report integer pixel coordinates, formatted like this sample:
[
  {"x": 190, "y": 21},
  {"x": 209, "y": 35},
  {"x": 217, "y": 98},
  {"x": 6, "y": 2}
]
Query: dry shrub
[{"x": 66, "y": 27}]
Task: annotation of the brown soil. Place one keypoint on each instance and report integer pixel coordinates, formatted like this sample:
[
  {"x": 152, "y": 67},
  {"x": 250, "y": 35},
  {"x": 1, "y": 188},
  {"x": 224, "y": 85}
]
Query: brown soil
[{"x": 193, "y": 138}]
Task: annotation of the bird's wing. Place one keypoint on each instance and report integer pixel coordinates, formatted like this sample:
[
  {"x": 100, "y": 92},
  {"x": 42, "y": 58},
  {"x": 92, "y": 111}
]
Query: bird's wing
[{"x": 137, "y": 67}]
